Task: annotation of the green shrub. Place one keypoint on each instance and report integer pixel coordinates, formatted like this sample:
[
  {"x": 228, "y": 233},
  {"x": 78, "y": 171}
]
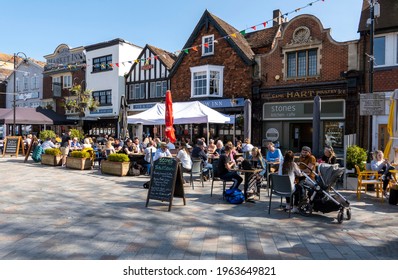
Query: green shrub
[
  {"x": 85, "y": 153},
  {"x": 44, "y": 134},
  {"x": 356, "y": 156},
  {"x": 53, "y": 151},
  {"x": 76, "y": 133},
  {"x": 118, "y": 157}
]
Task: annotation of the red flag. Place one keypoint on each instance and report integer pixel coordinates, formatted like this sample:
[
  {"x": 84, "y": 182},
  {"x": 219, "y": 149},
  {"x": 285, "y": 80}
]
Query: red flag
[{"x": 169, "y": 118}]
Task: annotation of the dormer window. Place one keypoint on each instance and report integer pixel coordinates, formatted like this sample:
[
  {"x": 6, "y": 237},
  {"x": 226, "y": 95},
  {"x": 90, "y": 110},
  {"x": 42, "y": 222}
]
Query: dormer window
[{"x": 208, "y": 45}]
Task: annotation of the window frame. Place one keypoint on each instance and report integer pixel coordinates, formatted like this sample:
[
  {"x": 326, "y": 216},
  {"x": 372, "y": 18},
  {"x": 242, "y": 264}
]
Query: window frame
[
  {"x": 102, "y": 60},
  {"x": 67, "y": 81},
  {"x": 210, "y": 49},
  {"x": 304, "y": 68},
  {"x": 201, "y": 80},
  {"x": 375, "y": 46},
  {"x": 99, "y": 95}
]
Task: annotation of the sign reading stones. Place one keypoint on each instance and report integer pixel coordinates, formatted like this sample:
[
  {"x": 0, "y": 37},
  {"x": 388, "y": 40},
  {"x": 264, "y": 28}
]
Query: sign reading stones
[
  {"x": 371, "y": 104},
  {"x": 166, "y": 181}
]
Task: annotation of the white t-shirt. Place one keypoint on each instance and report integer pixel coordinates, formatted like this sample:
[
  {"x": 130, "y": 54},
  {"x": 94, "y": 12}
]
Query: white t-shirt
[{"x": 185, "y": 159}]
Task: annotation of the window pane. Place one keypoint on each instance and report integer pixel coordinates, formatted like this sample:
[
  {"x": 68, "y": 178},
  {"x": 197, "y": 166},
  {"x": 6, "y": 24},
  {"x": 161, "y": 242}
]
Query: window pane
[
  {"x": 397, "y": 50},
  {"x": 379, "y": 50},
  {"x": 153, "y": 90},
  {"x": 214, "y": 82},
  {"x": 302, "y": 67},
  {"x": 291, "y": 64},
  {"x": 312, "y": 63},
  {"x": 199, "y": 83}
]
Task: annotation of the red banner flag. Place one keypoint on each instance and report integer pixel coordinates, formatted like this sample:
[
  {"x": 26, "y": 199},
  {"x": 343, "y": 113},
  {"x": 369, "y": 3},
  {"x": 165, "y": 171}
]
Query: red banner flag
[{"x": 169, "y": 118}]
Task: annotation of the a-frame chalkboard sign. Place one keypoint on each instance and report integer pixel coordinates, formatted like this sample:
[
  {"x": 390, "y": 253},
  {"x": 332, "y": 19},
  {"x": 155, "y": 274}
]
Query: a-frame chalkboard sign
[
  {"x": 166, "y": 181},
  {"x": 13, "y": 145}
]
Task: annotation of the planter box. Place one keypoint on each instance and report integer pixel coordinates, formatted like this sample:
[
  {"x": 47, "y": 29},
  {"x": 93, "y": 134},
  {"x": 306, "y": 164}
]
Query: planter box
[
  {"x": 115, "y": 168},
  {"x": 51, "y": 160},
  {"x": 78, "y": 163}
]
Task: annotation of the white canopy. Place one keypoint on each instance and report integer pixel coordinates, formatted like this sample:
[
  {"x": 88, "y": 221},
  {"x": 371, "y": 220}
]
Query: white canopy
[{"x": 184, "y": 113}]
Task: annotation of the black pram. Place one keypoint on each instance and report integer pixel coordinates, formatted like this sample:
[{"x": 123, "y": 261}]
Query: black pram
[{"x": 321, "y": 195}]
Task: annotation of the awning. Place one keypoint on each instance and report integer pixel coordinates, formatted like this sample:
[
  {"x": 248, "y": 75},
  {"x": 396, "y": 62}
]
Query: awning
[{"x": 31, "y": 116}]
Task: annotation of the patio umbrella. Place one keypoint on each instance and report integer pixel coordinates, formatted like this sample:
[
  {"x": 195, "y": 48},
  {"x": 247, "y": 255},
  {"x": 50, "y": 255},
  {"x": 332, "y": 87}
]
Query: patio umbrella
[
  {"x": 248, "y": 119},
  {"x": 316, "y": 125},
  {"x": 123, "y": 118},
  {"x": 390, "y": 124},
  {"x": 169, "y": 118}
]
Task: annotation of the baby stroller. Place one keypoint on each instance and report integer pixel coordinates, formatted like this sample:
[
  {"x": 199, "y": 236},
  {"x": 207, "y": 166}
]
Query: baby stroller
[{"x": 321, "y": 195}]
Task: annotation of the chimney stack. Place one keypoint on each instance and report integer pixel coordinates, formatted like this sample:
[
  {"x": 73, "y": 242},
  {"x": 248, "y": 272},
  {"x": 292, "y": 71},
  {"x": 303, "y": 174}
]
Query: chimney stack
[{"x": 277, "y": 17}]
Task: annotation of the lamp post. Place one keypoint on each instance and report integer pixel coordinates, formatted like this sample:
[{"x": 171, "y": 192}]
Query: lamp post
[{"x": 14, "y": 93}]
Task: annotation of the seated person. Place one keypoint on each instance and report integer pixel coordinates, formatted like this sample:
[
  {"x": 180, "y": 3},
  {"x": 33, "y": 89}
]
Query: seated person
[
  {"x": 109, "y": 149},
  {"x": 117, "y": 145},
  {"x": 383, "y": 167},
  {"x": 184, "y": 157},
  {"x": 75, "y": 145},
  {"x": 239, "y": 147},
  {"x": 246, "y": 148},
  {"x": 211, "y": 148},
  {"x": 219, "y": 147},
  {"x": 226, "y": 168},
  {"x": 47, "y": 144},
  {"x": 130, "y": 148},
  {"x": 163, "y": 151},
  {"x": 199, "y": 152},
  {"x": 328, "y": 156},
  {"x": 257, "y": 160},
  {"x": 309, "y": 160},
  {"x": 87, "y": 142},
  {"x": 273, "y": 153}
]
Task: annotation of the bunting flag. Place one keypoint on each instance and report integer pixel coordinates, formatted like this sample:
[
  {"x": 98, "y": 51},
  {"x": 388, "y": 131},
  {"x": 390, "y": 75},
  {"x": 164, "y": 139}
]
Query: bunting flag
[{"x": 195, "y": 48}]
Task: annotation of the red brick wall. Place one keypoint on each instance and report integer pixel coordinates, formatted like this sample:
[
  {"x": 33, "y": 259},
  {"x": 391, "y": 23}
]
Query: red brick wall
[
  {"x": 237, "y": 75},
  {"x": 333, "y": 57}
]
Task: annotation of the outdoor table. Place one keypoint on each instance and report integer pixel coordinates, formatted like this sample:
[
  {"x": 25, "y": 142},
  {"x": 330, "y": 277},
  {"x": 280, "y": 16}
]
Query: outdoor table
[{"x": 249, "y": 179}]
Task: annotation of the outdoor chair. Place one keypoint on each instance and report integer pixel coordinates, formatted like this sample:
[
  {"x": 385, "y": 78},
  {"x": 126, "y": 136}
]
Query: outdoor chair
[
  {"x": 214, "y": 175},
  {"x": 196, "y": 171},
  {"x": 366, "y": 178},
  {"x": 282, "y": 186}
]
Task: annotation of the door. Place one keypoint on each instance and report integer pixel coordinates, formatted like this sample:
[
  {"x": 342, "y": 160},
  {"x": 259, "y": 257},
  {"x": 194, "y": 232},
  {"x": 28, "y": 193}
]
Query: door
[
  {"x": 301, "y": 135},
  {"x": 383, "y": 136}
]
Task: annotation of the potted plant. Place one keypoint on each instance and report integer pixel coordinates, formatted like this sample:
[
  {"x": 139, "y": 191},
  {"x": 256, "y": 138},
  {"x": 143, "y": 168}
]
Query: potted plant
[
  {"x": 52, "y": 156},
  {"x": 81, "y": 160},
  {"x": 93, "y": 104},
  {"x": 76, "y": 133},
  {"x": 45, "y": 134},
  {"x": 116, "y": 164},
  {"x": 356, "y": 156}
]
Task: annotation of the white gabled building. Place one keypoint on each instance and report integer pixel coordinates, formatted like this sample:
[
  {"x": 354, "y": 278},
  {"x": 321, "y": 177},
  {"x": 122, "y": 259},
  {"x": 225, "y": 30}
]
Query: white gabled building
[{"x": 107, "y": 64}]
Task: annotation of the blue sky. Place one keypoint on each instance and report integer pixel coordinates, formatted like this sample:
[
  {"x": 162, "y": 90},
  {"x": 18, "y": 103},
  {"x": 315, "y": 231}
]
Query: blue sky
[{"x": 38, "y": 27}]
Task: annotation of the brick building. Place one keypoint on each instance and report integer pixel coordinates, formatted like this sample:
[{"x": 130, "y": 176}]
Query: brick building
[
  {"x": 385, "y": 74},
  {"x": 304, "y": 61}
]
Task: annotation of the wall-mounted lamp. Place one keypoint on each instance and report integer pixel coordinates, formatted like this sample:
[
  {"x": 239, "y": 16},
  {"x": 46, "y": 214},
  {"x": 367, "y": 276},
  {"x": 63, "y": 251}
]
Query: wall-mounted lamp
[
  {"x": 277, "y": 77},
  {"x": 233, "y": 101}
]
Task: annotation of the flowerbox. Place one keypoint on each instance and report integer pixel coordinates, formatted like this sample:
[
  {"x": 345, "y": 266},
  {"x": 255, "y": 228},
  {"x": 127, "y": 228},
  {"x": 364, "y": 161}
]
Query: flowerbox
[
  {"x": 115, "y": 168},
  {"x": 78, "y": 163},
  {"x": 51, "y": 160}
]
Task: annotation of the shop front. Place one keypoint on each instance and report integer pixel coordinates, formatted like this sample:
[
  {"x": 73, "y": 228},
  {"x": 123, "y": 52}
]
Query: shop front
[{"x": 291, "y": 124}]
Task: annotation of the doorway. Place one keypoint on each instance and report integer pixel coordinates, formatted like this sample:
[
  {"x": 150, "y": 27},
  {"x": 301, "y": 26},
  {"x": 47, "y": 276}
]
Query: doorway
[{"x": 301, "y": 135}]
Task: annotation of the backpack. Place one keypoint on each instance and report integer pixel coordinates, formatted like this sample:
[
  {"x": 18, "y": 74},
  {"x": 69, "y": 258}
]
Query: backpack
[
  {"x": 36, "y": 154},
  {"x": 234, "y": 196}
]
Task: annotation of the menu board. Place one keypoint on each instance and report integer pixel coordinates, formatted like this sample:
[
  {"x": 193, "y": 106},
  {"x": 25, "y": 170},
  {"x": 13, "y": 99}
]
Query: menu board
[
  {"x": 12, "y": 145},
  {"x": 166, "y": 181}
]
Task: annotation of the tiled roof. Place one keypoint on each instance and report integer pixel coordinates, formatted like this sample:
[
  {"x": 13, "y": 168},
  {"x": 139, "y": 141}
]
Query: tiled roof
[
  {"x": 6, "y": 66},
  {"x": 388, "y": 16},
  {"x": 239, "y": 40},
  {"x": 262, "y": 39},
  {"x": 166, "y": 57}
]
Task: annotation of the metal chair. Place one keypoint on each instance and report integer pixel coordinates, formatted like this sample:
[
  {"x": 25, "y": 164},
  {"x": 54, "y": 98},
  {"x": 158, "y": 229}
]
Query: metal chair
[
  {"x": 282, "y": 186},
  {"x": 196, "y": 171},
  {"x": 214, "y": 175}
]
